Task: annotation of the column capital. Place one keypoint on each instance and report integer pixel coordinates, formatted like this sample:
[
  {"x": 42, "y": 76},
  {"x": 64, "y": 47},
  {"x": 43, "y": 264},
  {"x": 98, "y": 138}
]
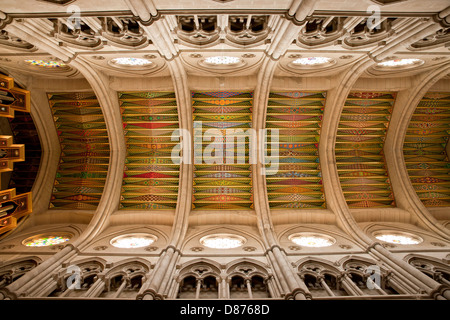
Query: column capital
[
  {"x": 149, "y": 294},
  {"x": 295, "y": 294}
]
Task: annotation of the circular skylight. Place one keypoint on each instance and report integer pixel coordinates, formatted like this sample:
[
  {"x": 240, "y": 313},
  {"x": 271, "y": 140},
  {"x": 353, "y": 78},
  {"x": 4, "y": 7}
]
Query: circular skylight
[
  {"x": 222, "y": 241},
  {"x": 222, "y": 60},
  {"x": 400, "y": 62},
  {"x": 131, "y": 62},
  {"x": 311, "y": 61},
  {"x": 46, "y": 63},
  {"x": 45, "y": 241},
  {"x": 398, "y": 238},
  {"x": 312, "y": 240},
  {"x": 131, "y": 241}
]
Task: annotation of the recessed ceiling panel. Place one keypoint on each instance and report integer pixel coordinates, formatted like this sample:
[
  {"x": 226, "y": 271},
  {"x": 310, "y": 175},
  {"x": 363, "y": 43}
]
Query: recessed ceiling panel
[
  {"x": 150, "y": 123},
  {"x": 426, "y": 150},
  {"x": 222, "y": 176},
  {"x": 84, "y": 160},
  {"x": 359, "y": 149},
  {"x": 297, "y": 181}
]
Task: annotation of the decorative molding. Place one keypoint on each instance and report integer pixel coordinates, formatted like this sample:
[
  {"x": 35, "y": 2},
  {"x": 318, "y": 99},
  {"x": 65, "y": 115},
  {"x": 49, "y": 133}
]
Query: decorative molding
[{"x": 13, "y": 42}]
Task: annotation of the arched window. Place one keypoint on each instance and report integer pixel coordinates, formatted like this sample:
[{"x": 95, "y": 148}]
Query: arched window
[
  {"x": 209, "y": 288},
  {"x": 238, "y": 288},
  {"x": 332, "y": 282},
  {"x": 321, "y": 279},
  {"x": 368, "y": 279},
  {"x": 433, "y": 268},
  {"x": 249, "y": 280},
  {"x": 259, "y": 288},
  {"x": 199, "y": 280},
  {"x": 10, "y": 272},
  {"x": 188, "y": 288},
  {"x": 77, "y": 280}
]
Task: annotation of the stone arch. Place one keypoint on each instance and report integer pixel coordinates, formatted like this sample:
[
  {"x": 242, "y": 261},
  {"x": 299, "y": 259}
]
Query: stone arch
[
  {"x": 206, "y": 267},
  {"x": 125, "y": 278},
  {"x": 320, "y": 276},
  {"x": 435, "y": 268},
  {"x": 250, "y": 267},
  {"x": 199, "y": 279},
  {"x": 77, "y": 277},
  {"x": 14, "y": 269},
  {"x": 248, "y": 278},
  {"x": 369, "y": 277},
  {"x": 325, "y": 265}
]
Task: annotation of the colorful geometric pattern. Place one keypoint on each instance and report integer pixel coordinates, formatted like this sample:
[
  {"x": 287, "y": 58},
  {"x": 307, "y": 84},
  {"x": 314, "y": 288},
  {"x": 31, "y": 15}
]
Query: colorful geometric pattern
[
  {"x": 426, "y": 150},
  {"x": 25, "y": 172},
  {"x": 84, "y": 161},
  {"x": 150, "y": 179},
  {"x": 297, "y": 184},
  {"x": 222, "y": 185},
  {"x": 359, "y": 149}
]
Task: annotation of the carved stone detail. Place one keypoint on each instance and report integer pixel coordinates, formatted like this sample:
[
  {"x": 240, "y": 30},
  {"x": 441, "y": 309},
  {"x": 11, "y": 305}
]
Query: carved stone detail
[
  {"x": 320, "y": 31},
  {"x": 124, "y": 32},
  {"x": 82, "y": 37},
  {"x": 244, "y": 30},
  {"x": 198, "y": 31},
  {"x": 9, "y": 40},
  {"x": 439, "y": 38}
]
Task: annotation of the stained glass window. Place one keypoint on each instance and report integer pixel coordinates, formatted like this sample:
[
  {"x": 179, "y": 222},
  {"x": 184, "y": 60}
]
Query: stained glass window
[
  {"x": 46, "y": 241},
  {"x": 400, "y": 62},
  {"x": 46, "y": 63},
  {"x": 312, "y": 240},
  {"x": 133, "y": 241},
  {"x": 222, "y": 241},
  {"x": 132, "y": 62},
  {"x": 222, "y": 60},
  {"x": 398, "y": 238},
  {"x": 310, "y": 61}
]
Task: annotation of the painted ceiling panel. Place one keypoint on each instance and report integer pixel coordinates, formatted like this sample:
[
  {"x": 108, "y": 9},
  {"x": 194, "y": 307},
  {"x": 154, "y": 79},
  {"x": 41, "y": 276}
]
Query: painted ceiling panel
[
  {"x": 151, "y": 175},
  {"x": 84, "y": 160},
  {"x": 222, "y": 184},
  {"x": 359, "y": 149},
  {"x": 426, "y": 157},
  {"x": 297, "y": 182}
]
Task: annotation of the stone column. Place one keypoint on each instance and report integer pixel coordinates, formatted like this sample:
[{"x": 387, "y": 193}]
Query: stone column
[
  {"x": 249, "y": 288},
  {"x": 45, "y": 289},
  {"x": 122, "y": 286},
  {"x": 270, "y": 287},
  {"x": 349, "y": 285},
  {"x": 324, "y": 285},
  {"x": 175, "y": 289},
  {"x": 398, "y": 286},
  {"x": 441, "y": 279},
  {"x": 197, "y": 289},
  {"x": 376, "y": 286},
  {"x": 97, "y": 287},
  {"x": 223, "y": 286}
]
